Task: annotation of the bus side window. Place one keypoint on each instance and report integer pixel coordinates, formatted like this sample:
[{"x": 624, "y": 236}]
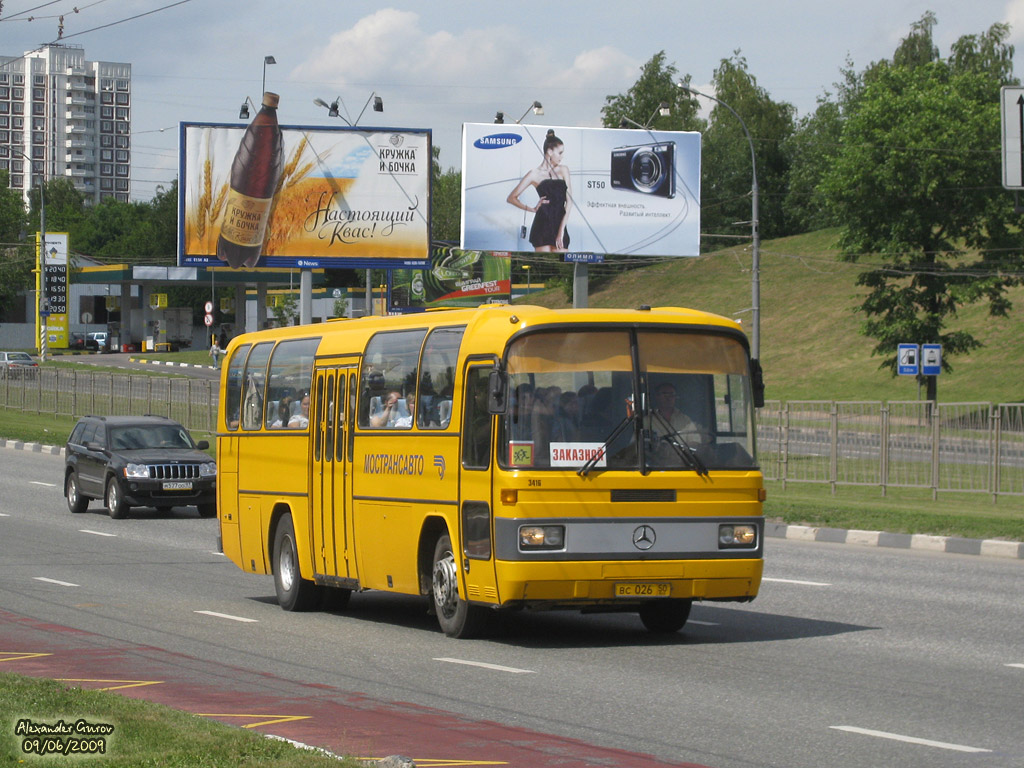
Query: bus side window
[
  {"x": 233, "y": 396},
  {"x": 476, "y": 425},
  {"x": 437, "y": 378},
  {"x": 390, "y": 365}
]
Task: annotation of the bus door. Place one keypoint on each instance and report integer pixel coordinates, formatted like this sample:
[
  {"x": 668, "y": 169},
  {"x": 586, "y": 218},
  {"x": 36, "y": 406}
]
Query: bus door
[
  {"x": 475, "y": 482},
  {"x": 330, "y": 465}
]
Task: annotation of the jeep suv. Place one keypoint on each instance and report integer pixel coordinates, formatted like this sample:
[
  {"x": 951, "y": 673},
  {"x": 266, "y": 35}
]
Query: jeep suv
[{"x": 136, "y": 461}]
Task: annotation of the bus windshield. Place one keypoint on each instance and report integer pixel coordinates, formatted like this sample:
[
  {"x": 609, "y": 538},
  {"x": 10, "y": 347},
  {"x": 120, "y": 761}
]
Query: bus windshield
[{"x": 647, "y": 400}]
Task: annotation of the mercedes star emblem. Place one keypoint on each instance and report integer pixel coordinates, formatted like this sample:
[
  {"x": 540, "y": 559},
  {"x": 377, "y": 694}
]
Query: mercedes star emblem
[{"x": 644, "y": 537}]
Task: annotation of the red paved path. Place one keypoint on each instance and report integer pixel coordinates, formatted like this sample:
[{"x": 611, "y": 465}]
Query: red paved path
[{"x": 339, "y": 721}]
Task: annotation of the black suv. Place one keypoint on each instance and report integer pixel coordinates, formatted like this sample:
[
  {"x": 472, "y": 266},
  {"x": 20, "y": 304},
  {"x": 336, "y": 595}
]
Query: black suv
[{"x": 138, "y": 461}]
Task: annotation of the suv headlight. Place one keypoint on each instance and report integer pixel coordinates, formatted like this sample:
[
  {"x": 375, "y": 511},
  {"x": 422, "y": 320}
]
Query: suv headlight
[
  {"x": 208, "y": 470},
  {"x": 136, "y": 470}
]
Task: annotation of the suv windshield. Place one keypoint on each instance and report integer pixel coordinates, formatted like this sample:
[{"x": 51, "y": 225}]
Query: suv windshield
[
  {"x": 149, "y": 436},
  {"x": 650, "y": 400}
]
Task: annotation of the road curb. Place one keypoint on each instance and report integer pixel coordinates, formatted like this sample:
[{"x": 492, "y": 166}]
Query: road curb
[
  {"x": 18, "y": 445},
  {"x": 947, "y": 544},
  {"x": 146, "y": 361}
]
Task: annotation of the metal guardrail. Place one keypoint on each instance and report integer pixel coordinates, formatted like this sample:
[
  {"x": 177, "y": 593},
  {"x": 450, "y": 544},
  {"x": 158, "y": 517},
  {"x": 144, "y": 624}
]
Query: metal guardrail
[
  {"x": 962, "y": 447},
  {"x": 64, "y": 392}
]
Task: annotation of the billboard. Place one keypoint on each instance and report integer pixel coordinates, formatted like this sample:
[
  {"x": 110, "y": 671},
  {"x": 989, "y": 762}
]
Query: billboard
[
  {"x": 454, "y": 278},
  {"x": 333, "y": 197},
  {"x": 580, "y": 190}
]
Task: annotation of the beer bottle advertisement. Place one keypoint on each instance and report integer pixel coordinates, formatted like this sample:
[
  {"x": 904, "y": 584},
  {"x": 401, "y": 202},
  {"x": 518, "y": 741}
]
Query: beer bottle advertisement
[
  {"x": 269, "y": 195},
  {"x": 255, "y": 172}
]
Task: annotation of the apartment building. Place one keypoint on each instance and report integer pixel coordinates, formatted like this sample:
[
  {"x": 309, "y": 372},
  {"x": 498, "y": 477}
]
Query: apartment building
[{"x": 64, "y": 116}]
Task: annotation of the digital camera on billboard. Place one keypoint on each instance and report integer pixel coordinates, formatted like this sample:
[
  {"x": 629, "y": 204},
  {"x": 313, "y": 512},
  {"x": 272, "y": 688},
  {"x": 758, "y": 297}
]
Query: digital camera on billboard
[{"x": 646, "y": 168}]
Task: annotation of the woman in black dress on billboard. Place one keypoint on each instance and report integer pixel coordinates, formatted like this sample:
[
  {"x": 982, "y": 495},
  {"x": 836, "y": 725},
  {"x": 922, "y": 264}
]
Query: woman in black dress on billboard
[{"x": 551, "y": 178}]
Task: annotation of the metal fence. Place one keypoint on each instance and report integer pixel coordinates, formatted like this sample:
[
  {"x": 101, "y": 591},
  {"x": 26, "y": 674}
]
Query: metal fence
[
  {"x": 69, "y": 392},
  {"x": 964, "y": 447}
]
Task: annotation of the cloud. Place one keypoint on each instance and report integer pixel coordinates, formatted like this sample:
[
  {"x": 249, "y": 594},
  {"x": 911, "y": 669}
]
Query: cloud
[
  {"x": 392, "y": 46},
  {"x": 1014, "y": 16}
]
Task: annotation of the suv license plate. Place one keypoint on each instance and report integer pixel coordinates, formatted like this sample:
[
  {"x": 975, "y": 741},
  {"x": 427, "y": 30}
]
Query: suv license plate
[
  {"x": 643, "y": 589},
  {"x": 177, "y": 486}
]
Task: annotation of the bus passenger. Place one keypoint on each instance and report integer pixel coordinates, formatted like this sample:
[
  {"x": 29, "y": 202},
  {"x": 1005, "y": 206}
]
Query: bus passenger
[
  {"x": 389, "y": 412},
  {"x": 301, "y": 419}
]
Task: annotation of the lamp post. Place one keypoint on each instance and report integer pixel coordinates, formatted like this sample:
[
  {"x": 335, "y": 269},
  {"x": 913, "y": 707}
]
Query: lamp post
[
  {"x": 526, "y": 269},
  {"x": 266, "y": 60},
  {"x": 41, "y": 310},
  {"x": 755, "y": 266}
]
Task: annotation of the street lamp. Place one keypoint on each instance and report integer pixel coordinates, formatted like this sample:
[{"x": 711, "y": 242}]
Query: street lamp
[
  {"x": 266, "y": 60},
  {"x": 662, "y": 110},
  {"x": 755, "y": 267},
  {"x": 537, "y": 108},
  {"x": 40, "y": 261},
  {"x": 333, "y": 111}
]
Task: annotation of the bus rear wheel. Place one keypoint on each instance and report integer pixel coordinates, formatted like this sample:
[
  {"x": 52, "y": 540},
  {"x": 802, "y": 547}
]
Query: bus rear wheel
[
  {"x": 665, "y": 616},
  {"x": 293, "y": 592},
  {"x": 456, "y": 616}
]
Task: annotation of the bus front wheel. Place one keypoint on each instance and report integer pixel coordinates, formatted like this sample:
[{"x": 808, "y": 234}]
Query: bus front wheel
[
  {"x": 293, "y": 592},
  {"x": 456, "y": 616},
  {"x": 665, "y": 616}
]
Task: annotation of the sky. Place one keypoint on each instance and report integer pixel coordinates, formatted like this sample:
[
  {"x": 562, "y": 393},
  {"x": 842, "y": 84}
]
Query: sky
[{"x": 442, "y": 63}]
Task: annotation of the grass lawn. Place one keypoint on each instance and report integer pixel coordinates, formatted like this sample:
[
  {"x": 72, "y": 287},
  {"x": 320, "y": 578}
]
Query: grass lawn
[{"x": 143, "y": 733}]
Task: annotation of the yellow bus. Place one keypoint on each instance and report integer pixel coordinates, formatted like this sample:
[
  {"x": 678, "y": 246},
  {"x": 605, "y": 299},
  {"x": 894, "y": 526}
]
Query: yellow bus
[{"x": 497, "y": 458}]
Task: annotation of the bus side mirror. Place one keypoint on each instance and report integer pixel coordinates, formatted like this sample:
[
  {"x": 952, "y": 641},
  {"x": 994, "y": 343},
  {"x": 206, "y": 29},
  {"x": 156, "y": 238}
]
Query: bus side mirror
[
  {"x": 757, "y": 383},
  {"x": 497, "y": 392}
]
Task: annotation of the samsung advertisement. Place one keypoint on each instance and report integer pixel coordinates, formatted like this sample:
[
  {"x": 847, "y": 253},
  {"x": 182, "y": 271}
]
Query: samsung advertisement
[
  {"x": 270, "y": 196},
  {"x": 580, "y": 190}
]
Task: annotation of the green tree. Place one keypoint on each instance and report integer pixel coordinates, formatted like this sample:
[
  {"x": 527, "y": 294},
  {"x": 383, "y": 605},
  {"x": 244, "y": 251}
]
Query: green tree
[
  {"x": 726, "y": 165},
  {"x": 13, "y": 216},
  {"x": 642, "y": 103},
  {"x": 916, "y": 185},
  {"x": 65, "y": 207}
]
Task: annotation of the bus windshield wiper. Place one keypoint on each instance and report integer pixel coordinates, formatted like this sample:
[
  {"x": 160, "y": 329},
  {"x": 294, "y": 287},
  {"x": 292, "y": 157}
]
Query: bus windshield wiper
[
  {"x": 683, "y": 448},
  {"x": 592, "y": 461}
]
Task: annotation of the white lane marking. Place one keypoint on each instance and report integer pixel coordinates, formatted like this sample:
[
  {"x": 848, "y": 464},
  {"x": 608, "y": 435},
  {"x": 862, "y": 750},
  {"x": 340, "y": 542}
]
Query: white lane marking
[
  {"x": 47, "y": 485},
  {"x": 496, "y": 667},
  {"x": 96, "y": 533},
  {"x": 908, "y": 739},
  {"x": 54, "y": 581},
  {"x": 3, "y": 514},
  {"x": 703, "y": 623},
  {"x": 1018, "y": 666},
  {"x": 801, "y": 583},
  {"x": 228, "y": 616}
]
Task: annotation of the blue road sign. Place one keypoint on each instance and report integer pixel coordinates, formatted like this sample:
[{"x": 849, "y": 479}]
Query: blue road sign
[
  {"x": 931, "y": 359},
  {"x": 907, "y": 360}
]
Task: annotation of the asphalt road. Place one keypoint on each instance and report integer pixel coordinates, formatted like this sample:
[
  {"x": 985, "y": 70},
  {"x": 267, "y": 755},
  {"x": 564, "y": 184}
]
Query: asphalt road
[{"x": 851, "y": 656}]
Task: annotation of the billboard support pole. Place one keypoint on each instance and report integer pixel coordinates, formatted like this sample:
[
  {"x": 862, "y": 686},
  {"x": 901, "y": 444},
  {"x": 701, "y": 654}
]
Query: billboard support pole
[
  {"x": 305, "y": 296},
  {"x": 580, "y": 286}
]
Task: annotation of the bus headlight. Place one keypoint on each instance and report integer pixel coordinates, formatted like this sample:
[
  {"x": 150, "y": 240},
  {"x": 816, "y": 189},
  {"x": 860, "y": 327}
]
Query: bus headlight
[
  {"x": 737, "y": 536},
  {"x": 533, "y": 537}
]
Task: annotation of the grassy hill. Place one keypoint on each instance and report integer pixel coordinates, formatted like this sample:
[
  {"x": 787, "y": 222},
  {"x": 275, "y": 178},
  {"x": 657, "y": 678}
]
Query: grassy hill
[{"x": 811, "y": 344}]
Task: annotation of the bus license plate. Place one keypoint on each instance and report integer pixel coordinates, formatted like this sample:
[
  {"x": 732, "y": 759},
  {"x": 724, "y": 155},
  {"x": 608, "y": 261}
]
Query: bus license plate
[
  {"x": 643, "y": 589},
  {"x": 177, "y": 486}
]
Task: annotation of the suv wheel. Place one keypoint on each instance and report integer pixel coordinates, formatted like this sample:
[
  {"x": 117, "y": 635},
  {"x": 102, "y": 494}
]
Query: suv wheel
[
  {"x": 77, "y": 503},
  {"x": 116, "y": 506}
]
